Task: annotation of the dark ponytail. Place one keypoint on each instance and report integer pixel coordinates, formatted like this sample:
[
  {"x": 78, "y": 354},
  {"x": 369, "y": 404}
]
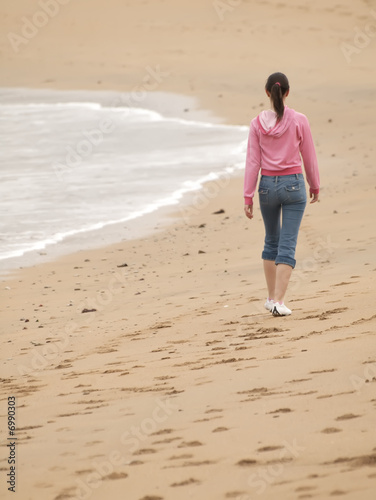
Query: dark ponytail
[{"x": 277, "y": 84}]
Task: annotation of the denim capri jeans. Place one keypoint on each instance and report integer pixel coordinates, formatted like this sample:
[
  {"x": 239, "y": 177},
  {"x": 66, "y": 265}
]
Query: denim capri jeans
[{"x": 282, "y": 195}]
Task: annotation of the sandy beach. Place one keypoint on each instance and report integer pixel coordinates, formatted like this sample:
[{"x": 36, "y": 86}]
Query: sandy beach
[{"x": 149, "y": 369}]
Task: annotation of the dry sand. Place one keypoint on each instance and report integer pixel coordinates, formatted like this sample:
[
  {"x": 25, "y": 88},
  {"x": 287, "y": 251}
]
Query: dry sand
[{"x": 180, "y": 385}]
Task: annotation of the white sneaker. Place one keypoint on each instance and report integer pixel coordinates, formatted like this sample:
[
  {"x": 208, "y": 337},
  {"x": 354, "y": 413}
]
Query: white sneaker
[
  {"x": 269, "y": 304},
  {"x": 280, "y": 310}
]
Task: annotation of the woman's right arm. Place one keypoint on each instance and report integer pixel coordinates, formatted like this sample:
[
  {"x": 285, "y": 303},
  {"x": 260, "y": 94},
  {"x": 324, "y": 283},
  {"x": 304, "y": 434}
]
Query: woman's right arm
[{"x": 307, "y": 150}]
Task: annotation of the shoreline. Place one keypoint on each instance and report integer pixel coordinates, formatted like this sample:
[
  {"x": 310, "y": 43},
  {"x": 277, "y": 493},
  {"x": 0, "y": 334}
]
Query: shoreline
[
  {"x": 143, "y": 227},
  {"x": 170, "y": 106}
]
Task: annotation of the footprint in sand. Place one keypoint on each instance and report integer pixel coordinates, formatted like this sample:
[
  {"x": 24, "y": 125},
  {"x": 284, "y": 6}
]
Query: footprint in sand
[
  {"x": 145, "y": 451},
  {"x": 29, "y": 427},
  {"x": 281, "y": 410},
  {"x": 247, "y": 462},
  {"x": 153, "y": 497},
  {"x": 115, "y": 475},
  {"x": 162, "y": 432},
  {"x": 84, "y": 471},
  {"x": 305, "y": 488},
  {"x": 344, "y": 283},
  {"x": 68, "y": 415},
  {"x": 187, "y": 482},
  {"x": 298, "y": 380},
  {"x": 363, "y": 320},
  {"x": 269, "y": 448},
  {"x": 329, "y": 370},
  {"x": 167, "y": 440},
  {"x": 235, "y": 494},
  {"x": 207, "y": 419},
  {"x": 190, "y": 444},
  {"x": 180, "y": 457},
  {"x": 66, "y": 493},
  {"x": 270, "y": 330},
  {"x": 197, "y": 463},
  {"x": 347, "y": 416},
  {"x": 357, "y": 462}
]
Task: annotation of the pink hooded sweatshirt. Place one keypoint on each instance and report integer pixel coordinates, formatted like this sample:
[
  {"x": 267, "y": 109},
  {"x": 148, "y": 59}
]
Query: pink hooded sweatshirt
[{"x": 275, "y": 147}]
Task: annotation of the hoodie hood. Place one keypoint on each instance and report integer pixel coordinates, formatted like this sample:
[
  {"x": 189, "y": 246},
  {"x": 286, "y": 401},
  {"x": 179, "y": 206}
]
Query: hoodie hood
[{"x": 267, "y": 122}]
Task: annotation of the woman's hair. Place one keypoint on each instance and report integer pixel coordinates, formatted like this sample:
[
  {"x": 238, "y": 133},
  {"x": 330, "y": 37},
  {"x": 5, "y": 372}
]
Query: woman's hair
[{"x": 277, "y": 84}]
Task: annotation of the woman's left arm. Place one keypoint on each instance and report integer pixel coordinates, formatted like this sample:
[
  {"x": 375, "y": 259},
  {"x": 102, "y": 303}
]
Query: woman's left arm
[{"x": 252, "y": 167}]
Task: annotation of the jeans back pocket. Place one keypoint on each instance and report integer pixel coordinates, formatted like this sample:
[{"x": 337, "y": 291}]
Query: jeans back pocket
[
  {"x": 295, "y": 191},
  {"x": 263, "y": 196}
]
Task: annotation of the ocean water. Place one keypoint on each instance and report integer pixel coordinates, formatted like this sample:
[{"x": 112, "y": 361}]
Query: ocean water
[{"x": 77, "y": 162}]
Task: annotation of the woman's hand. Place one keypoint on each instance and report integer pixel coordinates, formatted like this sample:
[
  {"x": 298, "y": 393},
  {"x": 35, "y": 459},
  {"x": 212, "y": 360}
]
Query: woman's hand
[
  {"x": 248, "y": 210},
  {"x": 315, "y": 197}
]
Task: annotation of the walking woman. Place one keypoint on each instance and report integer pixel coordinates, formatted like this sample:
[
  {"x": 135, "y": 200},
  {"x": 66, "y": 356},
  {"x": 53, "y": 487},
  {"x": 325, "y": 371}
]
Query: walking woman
[{"x": 279, "y": 138}]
